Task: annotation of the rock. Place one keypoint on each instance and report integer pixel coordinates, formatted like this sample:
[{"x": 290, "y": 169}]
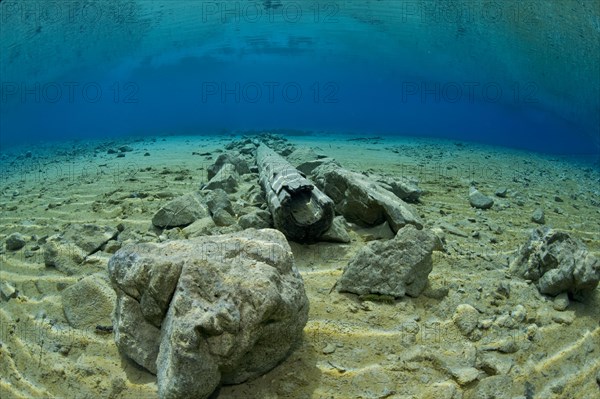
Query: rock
[
  {"x": 248, "y": 149},
  {"x": 201, "y": 227},
  {"x": 396, "y": 267},
  {"x": 181, "y": 211},
  {"x": 464, "y": 375},
  {"x": 65, "y": 257},
  {"x": 361, "y": 200},
  {"x": 501, "y": 192},
  {"x": 405, "y": 189},
  {"x": 380, "y": 232},
  {"x": 436, "y": 289},
  {"x": 337, "y": 232},
  {"x": 15, "y": 241},
  {"x": 479, "y": 200},
  {"x": 561, "y": 302},
  {"x": 8, "y": 291},
  {"x": 466, "y": 318},
  {"x": 329, "y": 349},
  {"x": 223, "y": 218},
  {"x": 89, "y": 302},
  {"x": 208, "y": 310},
  {"x": 309, "y": 166},
  {"x": 494, "y": 387},
  {"x": 259, "y": 219},
  {"x": 538, "y": 216},
  {"x": 216, "y": 200},
  {"x": 226, "y": 179},
  {"x": 239, "y": 164},
  {"x": 304, "y": 154},
  {"x": 89, "y": 237},
  {"x": 125, "y": 148},
  {"x": 557, "y": 263}
]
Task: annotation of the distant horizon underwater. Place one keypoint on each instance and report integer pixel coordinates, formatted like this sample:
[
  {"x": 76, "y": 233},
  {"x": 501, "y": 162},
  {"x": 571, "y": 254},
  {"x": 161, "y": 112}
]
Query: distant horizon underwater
[{"x": 512, "y": 74}]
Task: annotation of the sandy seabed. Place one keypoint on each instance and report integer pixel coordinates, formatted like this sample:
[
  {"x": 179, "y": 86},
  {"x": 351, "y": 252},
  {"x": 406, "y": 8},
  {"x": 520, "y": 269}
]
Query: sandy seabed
[{"x": 409, "y": 348}]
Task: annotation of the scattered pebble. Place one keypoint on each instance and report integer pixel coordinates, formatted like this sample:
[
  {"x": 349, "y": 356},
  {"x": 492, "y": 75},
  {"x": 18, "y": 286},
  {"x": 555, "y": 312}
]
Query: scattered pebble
[
  {"x": 329, "y": 349},
  {"x": 466, "y": 318},
  {"x": 15, "y": 241},
  {"x": 561, "y": 302},
  {"x": 538, "y": 216}
]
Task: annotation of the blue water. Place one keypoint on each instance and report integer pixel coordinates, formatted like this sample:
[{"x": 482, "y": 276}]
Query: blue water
[{"x": 288, "y": 76}]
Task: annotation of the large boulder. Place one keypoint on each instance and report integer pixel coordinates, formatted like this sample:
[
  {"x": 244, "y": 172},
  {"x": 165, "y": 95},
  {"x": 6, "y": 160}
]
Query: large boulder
[
  {"x": 396, "y": 267},
  {"x": 89, "y": 237},
  {"x": 210, "y": 310},
  {"x": 89, "y": 302},
  {"x": 181, "y": 211},
  {"x": 557, "y": 263},
  {"x": 363, "y": 201}
]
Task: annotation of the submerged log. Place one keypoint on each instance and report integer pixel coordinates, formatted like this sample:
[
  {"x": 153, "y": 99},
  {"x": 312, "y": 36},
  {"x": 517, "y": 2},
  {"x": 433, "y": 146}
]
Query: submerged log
[{"x": 300, "y": 210}]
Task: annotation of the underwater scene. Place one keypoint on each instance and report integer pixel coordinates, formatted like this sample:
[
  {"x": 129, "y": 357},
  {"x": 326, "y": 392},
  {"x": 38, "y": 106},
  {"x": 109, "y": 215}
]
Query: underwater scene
[{"x": 311, "y": 199}]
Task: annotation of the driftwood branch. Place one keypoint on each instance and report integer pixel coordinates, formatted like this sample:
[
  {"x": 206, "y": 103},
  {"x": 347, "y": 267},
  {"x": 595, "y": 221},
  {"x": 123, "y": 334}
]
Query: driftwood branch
[{"x": 300, "y": 210}]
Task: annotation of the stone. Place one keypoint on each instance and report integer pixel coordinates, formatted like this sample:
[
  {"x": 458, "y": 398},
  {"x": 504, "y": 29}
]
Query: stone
[
  {"x": 226, "y": 179},
  {"x": 561, "y": 302},
  {"x": 538, "y": 216},
  {"x": 396, "y": 267},
  {"x": 223, "y": 218},
  {"x": 89, "y": 302},
  {"x": 309, "y": 166},
  {"x": 363, "y": 201},
  {"x": 201, "y": 227},
  {"x": 8, "y": 291},
  {"x": 404, "y": 188},
  {"x": 501, "y": 192},
  {"x": 63, "y": 256},
  {"x": 329, "y": 349},
  {"x": 494, "y": 387},
  {"x": 89, "y": 237},
  {"x": 125, "y": 148},
  {"x": 337, "y": 232},
  {"x": 259, "y": 219},
  {"x": 479, "y": 200},
  {"x": 181, "y": 211},
  {"x": 209, "y": 310},
  {"x": 239, "y": 164},
  {"x": 15, "y": 241},
  {"x": 218, "y": 200},
  {"x": 379, "y": 232},
  {"x": 557, "y": 263},
  {"x": 466, "y": 318}
]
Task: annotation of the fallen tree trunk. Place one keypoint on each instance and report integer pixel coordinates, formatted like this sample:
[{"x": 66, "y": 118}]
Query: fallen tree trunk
[{"x": 300, "y": 210}]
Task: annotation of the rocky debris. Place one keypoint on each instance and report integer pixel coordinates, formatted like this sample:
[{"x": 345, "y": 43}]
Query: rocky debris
[
  {"x": 406, "y": 189},
  {"x": 305, "y": 159},
  {"x": 223, "y": 218},
  {"x": 181, "y": 211},
  {"x": 538, "y": 216},
  {"x": 397, "y": 267},
  {"x": 379, "y": 232},
  {"x": 218, "y": 200},
  {"x": 208, "y": 310},
  {"x": 309, "y": 166},
  {"x": 501, "y": 192},
  {"x": 201, "y": 227},
  {"x": 15, "y": 241},
  {"x": 337, "y": 232},
  {"x": 239, "y": 164},
  {"x": 89, "y": 302},
  {"x": 557, "y": 263},
  {"x": 89, "y": 237},
  {"x": 479, "y": 200},
  {"x": 226, "y": 179},
  {"x": 361, "y": 200},
  {"x": 561, "y": 302},
  {"x": 466, "y": 318},
  {"x": 8, "y": 291},
  {"x": 63, "y": 256},
  {"x": 125, "y": 148},
  {"x": 258, "y": 219}
]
